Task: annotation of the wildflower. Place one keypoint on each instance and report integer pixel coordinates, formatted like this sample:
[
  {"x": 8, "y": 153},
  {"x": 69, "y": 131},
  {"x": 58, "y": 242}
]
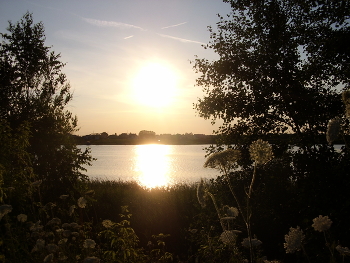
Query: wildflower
[
  {"x": 22, "y": 218},
  {"x": 71, "y": 210},
  {"x": 228, "y": 237},
  {"x": 82, "y": 202},
  {"x": 294, "y": 240},
  {"x": 89, "y": 243},
  {"x": 52, "y": 248},
  {"x": 321, "y": 223},
  {"x": 48, "y": 258},
  {"x": 64, "y": 197},
  {"x": 333, "y": 130},
  {"x": 107, "y": 223},
  {"x": 223, "y": 160},
  {"x": 36, "y": 183},
  {"x": 232, "y": 212},
  {"x": 260, "y": 151},
  {"x": 54, "y": 221},
  {"x": 201, "y": 193},
  {"x": 4, "y": 210},
  {"x": 91, "y": 260},
  {"x": 344, "y": 251},
  {"x": 255, "y": 242}
]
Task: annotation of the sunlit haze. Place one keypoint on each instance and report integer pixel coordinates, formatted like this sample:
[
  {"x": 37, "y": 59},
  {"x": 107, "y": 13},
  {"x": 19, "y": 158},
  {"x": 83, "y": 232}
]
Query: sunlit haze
[{"x": 128, "y": 62}]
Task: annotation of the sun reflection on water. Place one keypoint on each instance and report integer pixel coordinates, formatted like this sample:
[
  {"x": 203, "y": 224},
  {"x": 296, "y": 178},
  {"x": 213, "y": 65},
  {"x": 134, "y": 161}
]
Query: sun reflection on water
[{"x": 153, "y": 165}]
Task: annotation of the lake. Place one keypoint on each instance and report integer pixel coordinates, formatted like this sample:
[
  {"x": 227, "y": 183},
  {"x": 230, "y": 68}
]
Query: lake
[{"x": 149, "y": 165}]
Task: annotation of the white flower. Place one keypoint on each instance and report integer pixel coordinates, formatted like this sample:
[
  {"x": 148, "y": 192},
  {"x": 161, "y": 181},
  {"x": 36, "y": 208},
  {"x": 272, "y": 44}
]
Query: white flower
[
  {"x": 260, "y": 151},
  {"x": 82, "y": 202},
  {"x": 294, "y": 240},
  {"x": 107, "y": 223},
  {"x": 255, "y": 242},
  {"x": 228, "y": 237},
  {"x": 89, "y": 243},
  {"x": 321, "y": 223},
  {"x": 4, "y": 210},
  {"x": 344, "y": 251},
  {"x": 22, "y": 218},
  {"x": 223, "y": 160}
]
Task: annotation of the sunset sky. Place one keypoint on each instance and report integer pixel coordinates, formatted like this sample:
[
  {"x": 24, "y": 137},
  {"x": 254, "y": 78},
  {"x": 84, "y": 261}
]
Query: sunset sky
[{"x": 128, "y": 62}]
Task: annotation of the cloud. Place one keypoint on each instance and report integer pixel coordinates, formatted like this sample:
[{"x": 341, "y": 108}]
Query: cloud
[
  {"x": 181, "y": 39},
  {"x": 174, "y": 25},
  {"x": 110, "y": 23},
  {"x": 128, "y": 37}
]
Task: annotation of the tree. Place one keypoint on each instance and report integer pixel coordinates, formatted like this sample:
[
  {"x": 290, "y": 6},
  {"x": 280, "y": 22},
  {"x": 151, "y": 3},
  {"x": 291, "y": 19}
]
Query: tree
[
  {"x": 281, "y": 68},
  {"x": 34, "y": 93}
]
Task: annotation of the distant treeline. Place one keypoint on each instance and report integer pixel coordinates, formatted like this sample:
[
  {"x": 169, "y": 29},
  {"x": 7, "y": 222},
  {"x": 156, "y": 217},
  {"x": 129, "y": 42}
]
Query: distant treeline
[{"x": 147, "y": 137}]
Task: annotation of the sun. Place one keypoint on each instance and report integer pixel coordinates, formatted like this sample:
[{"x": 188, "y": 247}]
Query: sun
[{"x": 154, "y": 85}]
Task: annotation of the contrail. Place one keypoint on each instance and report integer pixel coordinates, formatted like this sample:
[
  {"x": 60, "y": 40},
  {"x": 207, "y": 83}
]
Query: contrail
[
  {"x": 109, "y": 23},
  {"x": 181, "y": 39},
  {"x": 174, "y": 25}
]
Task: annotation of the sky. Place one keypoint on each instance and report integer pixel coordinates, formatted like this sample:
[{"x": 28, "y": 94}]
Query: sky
[{"x": 128, "y": 61}]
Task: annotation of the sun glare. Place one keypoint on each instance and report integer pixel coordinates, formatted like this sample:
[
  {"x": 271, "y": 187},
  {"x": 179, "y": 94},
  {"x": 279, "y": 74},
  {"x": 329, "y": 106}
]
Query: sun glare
[
  {"x": 155, "y": 85},
  {"x": 152, "y": 165}
]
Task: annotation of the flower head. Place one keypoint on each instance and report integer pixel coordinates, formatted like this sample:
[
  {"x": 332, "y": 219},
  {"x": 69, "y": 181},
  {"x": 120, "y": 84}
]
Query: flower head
[
  {"x": 89, "y": 243},
  {"x": 82, "y": 202},
  {"x": 344, "y": 251},
  {"x": 228, "y": 237},
  {"x": 232, "y": 211},
  {"x": 321, "y": 223},
  {"x": 22, "y": 218},
  {"x": 107, "y": 223},
  {"x": 294, "y": 240},
  {"x": 260, "y": 151},
  {"x": 223, "y": 160}
]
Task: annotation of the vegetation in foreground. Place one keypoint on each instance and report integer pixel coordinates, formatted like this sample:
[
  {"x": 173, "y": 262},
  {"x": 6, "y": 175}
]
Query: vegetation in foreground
[{"x": 268, "y": 204}]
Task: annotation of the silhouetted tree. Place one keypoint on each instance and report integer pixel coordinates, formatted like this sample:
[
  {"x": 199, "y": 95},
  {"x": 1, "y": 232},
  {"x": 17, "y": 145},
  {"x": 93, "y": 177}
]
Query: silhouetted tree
[
  {"x": 34, "y": 93},
  {"x": 280, "y": 69}
]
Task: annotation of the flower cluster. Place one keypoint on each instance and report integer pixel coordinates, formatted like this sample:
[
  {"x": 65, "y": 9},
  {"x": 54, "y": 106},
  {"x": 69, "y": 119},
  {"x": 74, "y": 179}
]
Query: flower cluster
[
  {"x": 321, "y": 223},
  {"x": 107, "y": 223},
  {"x": 228, "y": 237},
  {"x": 89, "y": 243},
  {"x": 223, "y": 160},
  {"x": 344, "y": 251},
  {"x": 260, "y": 151},
  {"x": 294, "y": 240}
]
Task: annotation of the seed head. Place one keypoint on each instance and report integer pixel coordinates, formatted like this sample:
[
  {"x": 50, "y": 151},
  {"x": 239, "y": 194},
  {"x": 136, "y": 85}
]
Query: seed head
[
  {"x": 294, "y": 240},
  {"x": 321, "y": 223},
  {"x": 223, "y": 160},
  {"x": 260, "y": 151}
]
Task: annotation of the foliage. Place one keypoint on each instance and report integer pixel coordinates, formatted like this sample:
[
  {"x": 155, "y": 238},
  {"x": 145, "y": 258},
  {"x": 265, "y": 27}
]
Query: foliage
[
  {"x": 33, "y": 96},
  {"x": 281, "y": 65}
]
